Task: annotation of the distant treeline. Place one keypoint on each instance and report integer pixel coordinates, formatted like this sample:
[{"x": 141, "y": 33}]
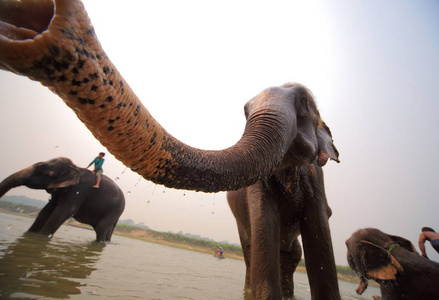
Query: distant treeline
[
  {"x": 24, "y": 201},
  {"x": 18, "y": 207},
  {"x": 182, "y": 239}
]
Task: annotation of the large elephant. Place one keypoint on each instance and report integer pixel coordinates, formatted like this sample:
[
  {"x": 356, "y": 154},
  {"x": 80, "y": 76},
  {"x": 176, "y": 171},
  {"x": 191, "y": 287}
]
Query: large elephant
[
  {"x": 72, "y": 195},
  {"x": 58, "y": 47},
  {"x": 394, "y": 263},
  {"x": 270, "y": 215}
]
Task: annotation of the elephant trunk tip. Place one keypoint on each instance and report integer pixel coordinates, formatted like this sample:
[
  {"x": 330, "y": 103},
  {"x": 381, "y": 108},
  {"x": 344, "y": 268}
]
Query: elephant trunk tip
[{"x": 13, "y": 181}]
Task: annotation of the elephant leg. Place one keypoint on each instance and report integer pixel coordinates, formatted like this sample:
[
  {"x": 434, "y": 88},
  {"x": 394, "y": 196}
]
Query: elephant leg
[
  {"x": 238, "y": 203},
  {"x": 319, "y": 254},
  {"x": 65, "y": 207},
  {"x": 246, "y": 251},
  {"x": 288, "y": 263},
  {"x": 265, "y": 243},
  {"x": 104, "y": 228},
  {"x": 42, "y": 217}
]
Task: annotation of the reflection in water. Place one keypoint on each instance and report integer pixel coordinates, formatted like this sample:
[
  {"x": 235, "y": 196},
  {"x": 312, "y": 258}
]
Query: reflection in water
[
  {"x": 66, "y": 266},
  {"x": 35, "y": 266}
]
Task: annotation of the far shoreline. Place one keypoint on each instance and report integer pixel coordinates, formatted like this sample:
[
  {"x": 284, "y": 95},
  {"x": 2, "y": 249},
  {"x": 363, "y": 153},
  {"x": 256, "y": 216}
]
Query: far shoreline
[{"x": 147, "y": 236}]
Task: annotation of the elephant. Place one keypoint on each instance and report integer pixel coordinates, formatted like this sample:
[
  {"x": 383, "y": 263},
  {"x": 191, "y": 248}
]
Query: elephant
[
  {"x": 394, "y": 263},
  {"x": 57, "y": 46},
  {"x": 284, "y": 135},
  {"x": 72, "y": 195},
  {"x": 270, "y": 215}
]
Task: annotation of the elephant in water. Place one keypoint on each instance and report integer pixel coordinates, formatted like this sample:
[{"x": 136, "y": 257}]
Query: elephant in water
[
  {"x": 394, "y": 263},
  {"x": 73, "y": 195},
  {"x": 272, "y": 213},
  {"x": 270, "y": 216},
  {"x": 57, "y": 46}
]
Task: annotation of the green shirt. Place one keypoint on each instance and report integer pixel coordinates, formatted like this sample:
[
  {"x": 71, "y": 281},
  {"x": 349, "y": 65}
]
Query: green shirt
[{"x": 98, "y": 163}]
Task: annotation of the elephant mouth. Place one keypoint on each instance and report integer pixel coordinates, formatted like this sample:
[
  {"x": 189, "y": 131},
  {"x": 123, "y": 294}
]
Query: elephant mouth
[
  {"x": 32, "y": 19},
  {"x": 301, "y": 152}
]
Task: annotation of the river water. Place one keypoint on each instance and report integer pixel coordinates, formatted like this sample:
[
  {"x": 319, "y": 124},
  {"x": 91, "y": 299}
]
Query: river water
[{"x": 70, "y": 265}]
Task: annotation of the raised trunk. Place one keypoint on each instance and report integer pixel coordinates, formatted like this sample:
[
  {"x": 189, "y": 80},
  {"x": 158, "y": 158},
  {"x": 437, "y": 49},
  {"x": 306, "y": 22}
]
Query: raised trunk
[
  {"x": 69, "y": 60},
  {"x": 14, "y": 180}
]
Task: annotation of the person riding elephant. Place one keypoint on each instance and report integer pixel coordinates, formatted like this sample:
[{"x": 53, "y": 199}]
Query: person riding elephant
[
  {"x": 72, "y": 195},
  {"x": 57, "y": 46}
]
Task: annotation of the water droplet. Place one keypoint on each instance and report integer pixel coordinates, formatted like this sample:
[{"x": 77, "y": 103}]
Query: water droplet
[
  {"x": 184, "y": 194},
  {"x": 148, "y": 202},
  {"x": 50, "y": 236},
  {"x": 117, "y": 179},
  {"x": 56, "y": 147},
  {"x": 77, "y": 193},
  {"x": 213, "y": 213},
  {"x": 129, "y": 192},
  {"x": 163, "y": 192}
]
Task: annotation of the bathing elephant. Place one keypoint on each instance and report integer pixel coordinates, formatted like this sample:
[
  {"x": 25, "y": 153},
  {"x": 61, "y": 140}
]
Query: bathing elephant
[
  {"x": 57, "y": 46},
  {"x": 394, "y": 263},
  {"x": 72, "y": 195},
  {"x": 270, "y": 216}
]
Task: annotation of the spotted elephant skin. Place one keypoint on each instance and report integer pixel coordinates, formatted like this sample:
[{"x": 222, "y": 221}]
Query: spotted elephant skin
[
  {"x": 72, "y": 195},
  {"x": 55, "y": 43},
  {"x": 394, "y": 263}
]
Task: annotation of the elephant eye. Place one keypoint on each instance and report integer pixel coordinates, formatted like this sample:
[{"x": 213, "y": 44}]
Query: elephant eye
[{"x": 49, "y": 173}]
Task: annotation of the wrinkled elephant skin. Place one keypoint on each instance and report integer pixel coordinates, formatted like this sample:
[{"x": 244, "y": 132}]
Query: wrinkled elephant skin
[
  {"x": 284, "y": 133},
  {"x": 270, "y": 216},
  {"x": 57, "y": 46}
]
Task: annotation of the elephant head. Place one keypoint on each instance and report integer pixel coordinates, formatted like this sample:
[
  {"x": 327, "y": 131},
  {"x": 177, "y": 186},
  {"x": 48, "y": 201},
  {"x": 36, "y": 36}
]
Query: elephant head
[
  {"x": 58, "y": 47},
  {"x": 49, "y": 175},
  {"x": 371, "y": 255}
]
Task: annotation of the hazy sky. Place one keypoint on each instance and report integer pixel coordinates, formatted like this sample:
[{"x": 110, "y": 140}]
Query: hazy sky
[{"x": 373, "y": 67}]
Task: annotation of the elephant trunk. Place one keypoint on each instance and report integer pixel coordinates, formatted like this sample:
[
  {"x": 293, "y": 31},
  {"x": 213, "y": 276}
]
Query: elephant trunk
[
  {"x": 69, "y": 60},
  {"x": 14, "y": 180}
]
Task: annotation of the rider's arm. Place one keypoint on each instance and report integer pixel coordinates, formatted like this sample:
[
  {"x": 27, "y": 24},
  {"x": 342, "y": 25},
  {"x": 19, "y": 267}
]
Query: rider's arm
[{"x": 421, "y": 244}]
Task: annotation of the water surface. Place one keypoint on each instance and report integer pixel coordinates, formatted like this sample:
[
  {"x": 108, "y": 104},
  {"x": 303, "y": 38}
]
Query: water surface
[{"x": 70, "y": 265}]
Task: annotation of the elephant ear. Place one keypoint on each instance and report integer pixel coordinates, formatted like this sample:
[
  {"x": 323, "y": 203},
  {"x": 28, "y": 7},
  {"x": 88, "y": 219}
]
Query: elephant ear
[
  {"x": 406, "y": 244},
  {"x": 378, "y": 263},
  {"x": 67, "y": 177},
  {"x": 327, "y": 150}
]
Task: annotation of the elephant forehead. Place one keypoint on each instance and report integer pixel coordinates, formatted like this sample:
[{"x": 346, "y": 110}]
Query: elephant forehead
[{"x": 276, "y": 98}]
